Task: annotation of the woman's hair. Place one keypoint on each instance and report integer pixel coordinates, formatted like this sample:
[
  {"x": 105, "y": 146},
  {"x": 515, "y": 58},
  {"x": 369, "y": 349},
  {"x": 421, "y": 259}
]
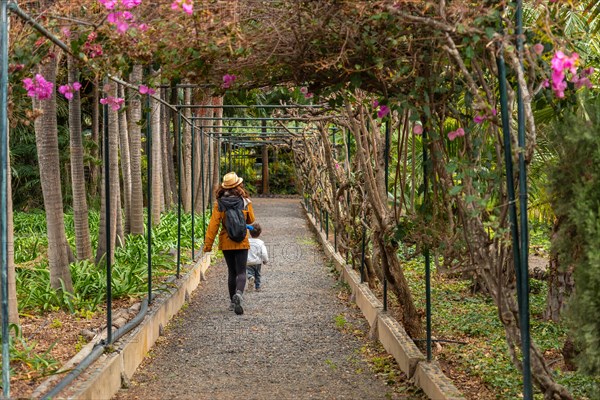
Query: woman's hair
[{"x": 238, "y": 191}]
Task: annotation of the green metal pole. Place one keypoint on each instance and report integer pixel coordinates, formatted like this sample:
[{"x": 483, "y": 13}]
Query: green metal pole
[
  {"x": 362, "y": 256},
  {"x": 108, "y": 228},
  {"x": 179, "y": 174},
  {"x": 426, "y": 250},
  {"x": 524, "y": 266},
  {"x": 4, "y": 195},
  {"x": 386, "y": 155},
  {"x": 202, "y": 179},
  {"x": 210, "y": 174},
  {"x": 149, "y": 194},
  {"x": 192, "y": 179}
]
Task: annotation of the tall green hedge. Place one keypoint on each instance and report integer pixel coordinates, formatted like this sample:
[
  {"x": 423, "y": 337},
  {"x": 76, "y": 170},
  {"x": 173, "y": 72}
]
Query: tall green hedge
[{"x": 575, "y": 190}]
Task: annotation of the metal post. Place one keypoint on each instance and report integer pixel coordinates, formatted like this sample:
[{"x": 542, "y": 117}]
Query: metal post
[
  {"x": 426, "y": 250},
  {"x": 108, "y": 228},
  {"x": 524, "y": 273},
  {"x": 192, "y": 179},
  {"x": 179, "y": 174},
  {"x": 149, "y": 194},
  {"x": 327, "y": 225},
  {"x": 4, "y": 195},
  {"x": 362, "y": 257},
  {"x": 210, "y": 174},
  {"x": 386, "y": 156},
  {"x": 202, "y": 178}
]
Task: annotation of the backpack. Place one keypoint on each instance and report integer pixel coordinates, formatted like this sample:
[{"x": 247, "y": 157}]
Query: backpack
[{"x": 235, "y": 222}]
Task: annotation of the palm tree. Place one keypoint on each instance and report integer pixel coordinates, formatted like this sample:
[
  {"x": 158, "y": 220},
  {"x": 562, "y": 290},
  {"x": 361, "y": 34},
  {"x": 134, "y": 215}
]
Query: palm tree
[
  {"x": 134, "y": 115},
  {"x": 80, "y": 208},
  {"x": 125, "y": 163},
  {"x": 46, "y": 136}
]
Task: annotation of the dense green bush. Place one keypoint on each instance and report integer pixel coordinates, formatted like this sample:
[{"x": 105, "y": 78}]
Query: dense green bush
[{"x": 575, "y": 190}]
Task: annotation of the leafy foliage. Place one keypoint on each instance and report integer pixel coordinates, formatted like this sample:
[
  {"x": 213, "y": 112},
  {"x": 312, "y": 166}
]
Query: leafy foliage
[{"x": 575, "y": 188}]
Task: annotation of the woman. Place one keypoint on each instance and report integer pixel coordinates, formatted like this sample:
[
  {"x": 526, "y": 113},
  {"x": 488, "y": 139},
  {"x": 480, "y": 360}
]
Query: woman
[{"x": 231, "y": 194}]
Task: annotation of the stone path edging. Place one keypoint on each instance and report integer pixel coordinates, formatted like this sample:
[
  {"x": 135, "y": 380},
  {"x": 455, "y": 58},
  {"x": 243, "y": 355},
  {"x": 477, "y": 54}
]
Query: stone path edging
[
  {"x": 427, "y": 375},
  {"x": 105, "y": 377}
]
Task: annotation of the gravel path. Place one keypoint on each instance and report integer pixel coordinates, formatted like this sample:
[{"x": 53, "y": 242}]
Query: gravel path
[{"x": 285, "y": 346}]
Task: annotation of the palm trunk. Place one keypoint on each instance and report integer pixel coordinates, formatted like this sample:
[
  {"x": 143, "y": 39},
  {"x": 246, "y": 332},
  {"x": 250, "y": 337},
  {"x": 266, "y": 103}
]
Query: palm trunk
[
  {"x": 157, "y": 189},
  {"x": 80, "y": 209},
  {"x": 186, "y": 154},
  {"x": 134, "y": 115},
  {"x": 94, "y": 153},
  {"x": 125, "y": 163},
  {"x": 13, "y": 312},
  {"x": 217, "y": 124},
  {"x": 113, "y": 146},
  {"x": 165, "y": 121},
  {"x": 46, "y": 137}
]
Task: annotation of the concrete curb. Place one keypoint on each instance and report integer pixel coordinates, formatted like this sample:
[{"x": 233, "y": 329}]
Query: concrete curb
[
  {"x": 104, "y": 378},
  {"x": 427, "y": 375}
]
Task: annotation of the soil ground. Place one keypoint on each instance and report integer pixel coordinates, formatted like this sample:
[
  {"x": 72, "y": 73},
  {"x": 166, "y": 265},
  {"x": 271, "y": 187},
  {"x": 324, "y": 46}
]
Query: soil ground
[{"x": 295, "y": 340}]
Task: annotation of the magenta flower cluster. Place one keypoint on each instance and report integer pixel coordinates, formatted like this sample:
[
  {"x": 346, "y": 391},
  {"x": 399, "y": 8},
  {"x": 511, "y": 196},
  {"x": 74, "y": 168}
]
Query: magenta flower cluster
[
  {"x": 69, "y": 90},
  {"x": 478, "y": 119},
  {"x": 228, "y": 81},
  {"x": 143, "y": 89},
  {"x": 561, "y": 66},
  {"x": 38, "y": 87},
  {"x": 122, "y": 19},
  {"x": 185, "y": 5},
  {"x": 382, "y": 111},
  {"x": 306, "y": 93},
  {"x": 114, "y": 103},
  {"x": 457, "y": 133}
]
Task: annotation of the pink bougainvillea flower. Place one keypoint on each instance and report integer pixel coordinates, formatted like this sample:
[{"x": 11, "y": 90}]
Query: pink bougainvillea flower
[
  {"x": 375, "y": 103},
  {"x": 109, "y": 4},
  {"x": 38, "y": 87},
  {"x": 308, "y": 95},
  {"x": 418, "y": 129},
  {"x": 143, "y": 27},
  {"x": 69, "y": 90},
  {"x": 457, "y": 133},
  {"x": 561, "y": 64},
  {"x": 66, "y": 32},
  {"x": 113, "y": 102},
  {"x": 129, "y": 4},
  {"x": 538, "y": 48},
  {"x": 186, "y": 5},
  {"x": 228, "y": 81},
  {"x": 478, "y": 119},
  {"x": 120, "y": 19},
  {"x": 146, "y": 90},
  {"x": 383, "y": 111}
]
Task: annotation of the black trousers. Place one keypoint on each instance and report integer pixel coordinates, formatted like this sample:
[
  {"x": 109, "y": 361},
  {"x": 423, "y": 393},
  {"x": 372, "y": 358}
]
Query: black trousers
[{"x": 236, "y": 266}]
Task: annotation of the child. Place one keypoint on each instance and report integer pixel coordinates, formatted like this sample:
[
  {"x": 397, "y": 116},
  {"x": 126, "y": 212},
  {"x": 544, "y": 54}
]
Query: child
[{"x": 256, "y": 256}]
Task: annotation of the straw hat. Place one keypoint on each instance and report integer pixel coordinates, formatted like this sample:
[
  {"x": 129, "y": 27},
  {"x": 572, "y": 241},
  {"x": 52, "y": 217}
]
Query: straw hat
[{"x": 231, "y": 180}]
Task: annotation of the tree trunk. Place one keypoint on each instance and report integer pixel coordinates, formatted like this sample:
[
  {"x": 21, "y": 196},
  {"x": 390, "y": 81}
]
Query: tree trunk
[
  {"x": 114, "y": 187},
  {"x": 125, "y": 163},
  {"x": 172, "y": 145},
  {"x": 134, "y": 115},
  {"x": 46, "y": 137},
  {"x": 216, "y": 162},
  {"x": 265, "y": 169},
  {"x": 94, "y": 153},
  {"x": 560, "y": 283},
  {"x": 83, "y": 244},
  {"x": 165, "y": 134},
  {"x": 157, "y": 189},
  {"x": 186, "y": 154},
  {"x": 13, "y": 312}
]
